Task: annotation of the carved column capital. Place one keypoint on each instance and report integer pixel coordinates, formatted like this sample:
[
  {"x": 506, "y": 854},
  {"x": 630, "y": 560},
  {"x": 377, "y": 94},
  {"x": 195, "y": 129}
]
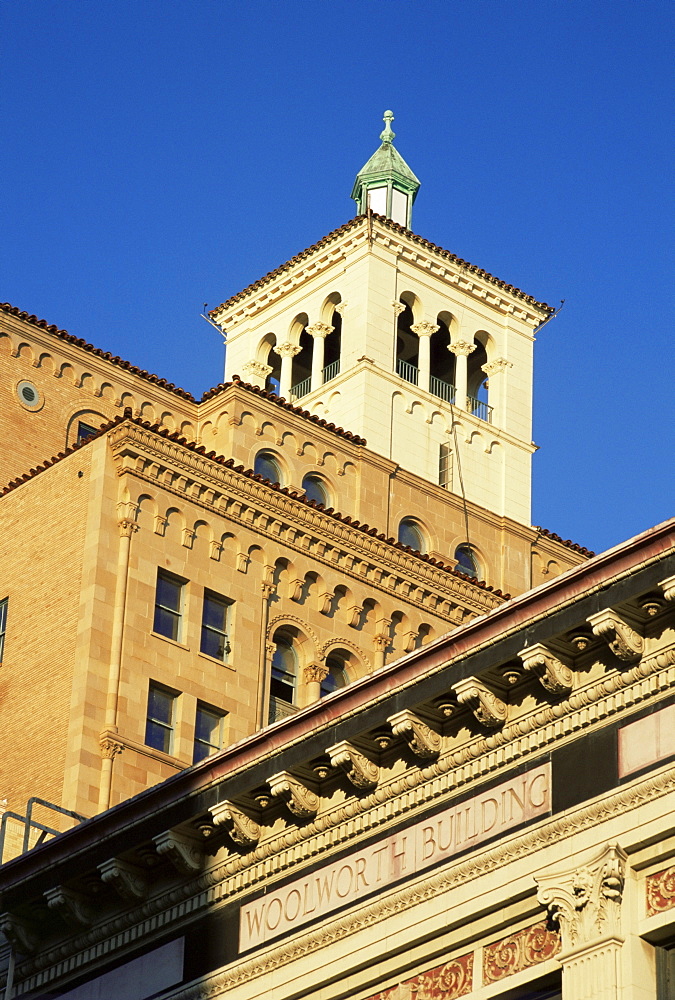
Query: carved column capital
[
  {"x": 362, "y": 773},
  {"x": 423, "y": 741},
  {"x": 315, "y": 673},
  {"x": 586, "y": 901},
  {"x": 380, "y": 642},
  {"x": 243, "y": 830},
  {"x": 184, "y": 853},
  {"x": 462, "y": 348},
  {"x": 320, "y": 330},
  {"x": 398, "y": 308},
  {"x": 341, "y": 308},
  {"x": 301, "y": 801},
  {"x": 126, "y": 527},
  {"x": 256, "y": 370},
  {"x": 623, "y": 640},
  {"x": 424, "y": 329},
  {"x": 286, "y": 350},
  {"x": 129, "y": 881},
  {"x": 490, "y": 710},
  {"x": 110, "y": 746},
  {"x": 496, "y": 366},
  {"x": 553, "y": 674}
]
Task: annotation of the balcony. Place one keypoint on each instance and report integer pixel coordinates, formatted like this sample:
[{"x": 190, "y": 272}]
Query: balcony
[
  {"x": 407, "y": 371},
  {"x": 301, "y": 389},
  {"x": 330, "y": 371},
  {"x": 479, "y": 409},
  {"x": 444, "y": 390}
]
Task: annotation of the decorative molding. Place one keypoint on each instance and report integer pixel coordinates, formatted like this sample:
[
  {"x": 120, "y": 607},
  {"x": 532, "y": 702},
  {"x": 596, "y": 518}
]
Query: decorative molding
[
  {"x": 660, "y": 891},
  {"x": 302, "y": 801},
  {"x": 585, "y": 902},
  {"x": 496, "y": 366},
  {"x": 553, "y": 674},
  {"x": 423, "y": 741},
  {"x": 319, "y": 330},
  {"x": 185, "y": 853},
  {"x": 129, "y": 881},
  {"x": 623, "y": 640},
  {"x": 490, "y": 710},
  {"x": 362, "y": 773},
  {"x": 127, "y": 527},
  {"x": 446, "y": 982},
  {"x": 462, "y": 347},
  {"x": 519, "y": 951},
  {"x": 72, "y": 906},
  {"x": 424, "y": 329},
  {"x": 243, "y": 830},
  {"x": 286, "y": 350}
]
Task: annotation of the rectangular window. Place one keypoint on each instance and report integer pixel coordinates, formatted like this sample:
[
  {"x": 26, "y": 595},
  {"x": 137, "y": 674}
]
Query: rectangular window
[
  {"x": 160, "y": 720},
  {"x": 445, "y": 467},
  {"x": 168, "y": 605},
  {"x": 208, "y": 732},
  {"x": 214, "y": 641},
  {"x": 3, "y": 625}
]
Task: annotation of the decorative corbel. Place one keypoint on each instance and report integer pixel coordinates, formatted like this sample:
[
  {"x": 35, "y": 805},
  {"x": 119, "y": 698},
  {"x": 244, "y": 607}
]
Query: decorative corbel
[
  {"x": 325, "y": 602},
  {"x": 487, "y": 707},
  {"x": 355, "y": 615},
  {"x": 72, "y": 906},
  {"x": 553, "y": 674},
  {"x": 22, "y": 936},
  {"x": 215, "y": 548},
  {"x": 362, "y": 773},
  {"x": 295, "y": 589},
  {"x": 668, "y": 588},
  {"x": 301, "y": 801},
  {"x": 242, "y": 829},
  {"x": 184, "y": 853},
  {"x": 129, "y": 881},
  {"x": 623, "y": 640},
  {"x": 586, "y": 902},
  {"x": 423, "y": 741}
]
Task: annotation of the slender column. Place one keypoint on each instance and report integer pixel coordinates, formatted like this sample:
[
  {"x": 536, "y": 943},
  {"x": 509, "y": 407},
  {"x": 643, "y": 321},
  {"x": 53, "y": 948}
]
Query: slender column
[
  {"x": 319, "y": 331},
  {"x": 256, "y": 373},
  {"x": 586, "y": 904},
  {"x": 380, "y": 643},
  {"x": 286, "y": 352},
  {"x": 424, "y": 331},
  {"x": 314, "y": 674},
  {"x": 462, "y": 349},
  {"x": 495, "y": 371},
  {"x": 109, "y": 749}
]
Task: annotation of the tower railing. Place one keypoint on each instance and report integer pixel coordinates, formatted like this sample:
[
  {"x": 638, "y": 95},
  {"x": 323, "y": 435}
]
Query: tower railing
[
  {"x": 301, "y": 389},
  {"x": 407, "y": 371},
  {"x": 479, "y": 409},
  {"x": 331, "y": 370},
  {"x": 444, "y": 390}
]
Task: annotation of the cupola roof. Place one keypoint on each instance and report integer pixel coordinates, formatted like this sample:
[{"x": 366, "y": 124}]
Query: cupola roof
[{"x": 385, "y": 167}]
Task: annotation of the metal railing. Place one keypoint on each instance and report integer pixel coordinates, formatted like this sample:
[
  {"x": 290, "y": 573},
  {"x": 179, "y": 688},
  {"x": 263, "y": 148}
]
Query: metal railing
[
  {"x": 301, "y": 389},
  {"x": 29, "y": 824},
  {"x": 407, "y": 371},
  {"x": 331, "y": 370},
  {"x": 444, "y": 390},
  {"x": 479, "y": 409}
]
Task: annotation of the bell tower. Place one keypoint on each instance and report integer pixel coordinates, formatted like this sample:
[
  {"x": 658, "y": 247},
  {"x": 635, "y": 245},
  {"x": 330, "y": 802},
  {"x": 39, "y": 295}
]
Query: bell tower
[{"x": 379, "y": 331}]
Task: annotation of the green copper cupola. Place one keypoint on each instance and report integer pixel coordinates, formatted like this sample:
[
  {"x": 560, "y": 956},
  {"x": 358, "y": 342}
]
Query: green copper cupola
[{"x": 386, "y": 185}]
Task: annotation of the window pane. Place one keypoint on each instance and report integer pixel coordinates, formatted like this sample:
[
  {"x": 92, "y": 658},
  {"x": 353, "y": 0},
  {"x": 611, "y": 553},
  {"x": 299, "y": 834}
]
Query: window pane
[
  {"x": 315, "y": 489},
  {"x": 377, "y": 200},
  {"x": 336, "y": 677},
  {"x": 267, "y": 467},
  {"x": 160, "y": 706},
  {"x": 166, "y": 623},
  {"x": 466, "y": 563},
  {"x": 168, "y": 606},
  {"x": 207, "y": 726},
  {"x": 84, "y": 431},
  {"x": 214, "y": 612},
  {"x": 3, "y": 622},
  {"x": 283, "y": 671},
  {"x": 158, "y": 737},
  {"x": 410, "y": 534},
  {"x": 159, "y": 723},
  {"x": 168, "y": 592}
]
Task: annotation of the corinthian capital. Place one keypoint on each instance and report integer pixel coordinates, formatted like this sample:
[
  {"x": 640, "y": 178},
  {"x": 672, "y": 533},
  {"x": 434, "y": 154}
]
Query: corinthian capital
[
  {"x": 320, "y": 330},
  {"x": 424, "y": 329},
  {"x": 315, "y": 672},
  {"x": 462, "y": 347},
  {"x": 286, "y": 350},
  {"x": 496, "y": 366}
]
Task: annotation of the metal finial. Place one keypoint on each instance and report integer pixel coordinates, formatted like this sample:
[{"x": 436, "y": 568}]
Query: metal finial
[{"x": 387, "y": 135}]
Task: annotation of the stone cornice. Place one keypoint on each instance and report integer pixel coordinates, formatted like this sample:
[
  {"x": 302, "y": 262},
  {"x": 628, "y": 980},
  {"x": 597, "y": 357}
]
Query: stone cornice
[{"x": 229, "y": 494}]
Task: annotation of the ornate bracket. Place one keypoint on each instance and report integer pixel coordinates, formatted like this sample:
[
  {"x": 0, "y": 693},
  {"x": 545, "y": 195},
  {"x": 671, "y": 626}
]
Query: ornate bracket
[
  {"x": 362, "y": 773},
  {"x": 22, "y": 937},
  {"x": 126, "y": 879},
  {"x": 423, "y": 741},
  {"x": 326, "y": 602},
  {"x": 295, "y": 589},
  {"x": 69, "y": 904},
  {"x": 110, "y": 746},
  {"x": 668, "y": 588},
  {"x": 586, "y": 902},
  {"x": 184, "y": 853},
  {"x": 487, "y": 707},
  {"x": 242, "y": 829},
  {"x": 623, "y": 640},
  {"x": 302, "y": 801},
  {"x": 553, "y": 674}
]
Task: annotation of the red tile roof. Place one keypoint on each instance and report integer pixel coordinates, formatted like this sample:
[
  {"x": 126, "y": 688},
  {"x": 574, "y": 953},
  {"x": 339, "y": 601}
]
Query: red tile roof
[
  {"x": 389, "y": 224},
  {"x": 564, "y": 541}
]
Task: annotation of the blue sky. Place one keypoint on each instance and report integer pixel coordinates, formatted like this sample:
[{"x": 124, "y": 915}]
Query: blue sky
[{"x": 159, "y": 155}]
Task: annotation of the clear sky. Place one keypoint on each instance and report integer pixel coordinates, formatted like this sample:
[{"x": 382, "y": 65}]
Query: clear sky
[{"x": 161, "y": 154}]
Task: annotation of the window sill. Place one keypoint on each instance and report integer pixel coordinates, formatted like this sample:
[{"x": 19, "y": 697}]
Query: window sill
[
  {"x": 172, "y": 642},
  {"x": 214, "y": 659}
]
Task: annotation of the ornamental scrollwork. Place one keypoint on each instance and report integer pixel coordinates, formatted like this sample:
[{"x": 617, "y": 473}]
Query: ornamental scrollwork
[
  {"x": 129, "y": 881},
  {"x": 362, "y": 773},
  {"x": 73, "y": 906},
  {"x": 623, "y": 640},
  {"x": 185, "y": 854},
  {"x": 553, "y": 674},
  {"x": 243, "y": 830},
  {"x": 421, "y": 739},
  {"x": 302, "y": 801},
  {"x": 490, "y": 710}
]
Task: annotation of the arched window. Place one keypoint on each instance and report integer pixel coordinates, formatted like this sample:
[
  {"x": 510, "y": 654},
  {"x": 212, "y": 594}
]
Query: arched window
[
  {"x": 410, "y": 533},
  {"x": 466, "y": 560},
  {"x": 283, "y": 681},
  {"x": 407, "y": 345},
  {"x": 266, "y": 465},
  {"x": 315, "y": 489},
  {"x": 336, "y": 676}
]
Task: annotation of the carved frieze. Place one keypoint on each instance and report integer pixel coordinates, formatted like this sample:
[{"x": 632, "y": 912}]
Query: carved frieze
[
  {"x": 623, "y": 640},
  {"x": 362, "y": 773},
  {"x": 302, "y": 801},
  {"x": 553, "y": 674},
  {"x": 490, "y": 710},
  {"x": 243, "y": 830},
  {"x": 519, "y": 951},
  {"x": 660, "y": 890},
  {"x": 422, "y": 740},
  {"x": 185, "y": 853},
  {"x": 585, "y": 902}
]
